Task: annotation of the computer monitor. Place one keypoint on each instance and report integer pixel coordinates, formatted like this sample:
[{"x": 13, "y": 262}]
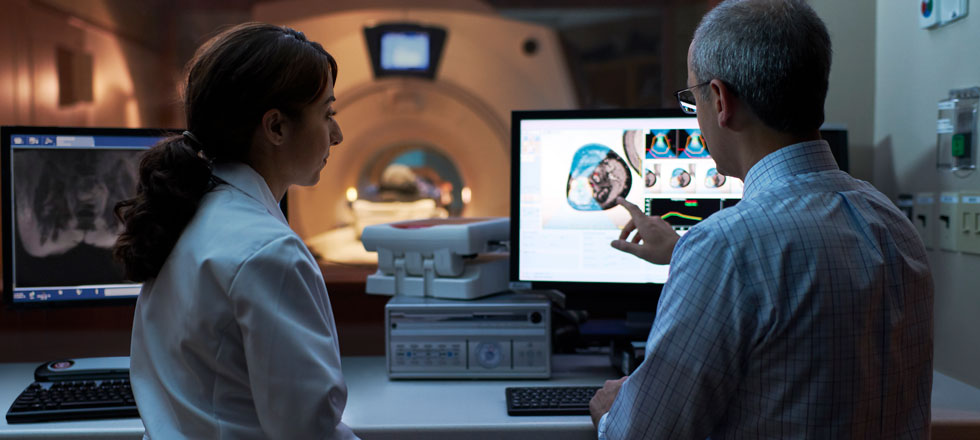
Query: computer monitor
[
  {"x": 836, "y": 136},
  {"x": 405, "y": 49},
  {"x": 567, "y": 169},
  {"x": 60, "y": 186}
]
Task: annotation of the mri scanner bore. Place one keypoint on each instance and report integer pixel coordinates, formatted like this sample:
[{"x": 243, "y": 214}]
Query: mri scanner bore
[{"x": 459, "y": 111}]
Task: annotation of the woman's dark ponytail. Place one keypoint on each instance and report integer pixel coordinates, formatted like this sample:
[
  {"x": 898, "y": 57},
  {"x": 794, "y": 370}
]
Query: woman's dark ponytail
[
  {"x": 233, "y": 79},
  {"x": 173, "y": 178}
]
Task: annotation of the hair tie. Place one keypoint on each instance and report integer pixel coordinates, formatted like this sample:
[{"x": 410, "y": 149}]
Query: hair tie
[{"x": 193, "y": 140}]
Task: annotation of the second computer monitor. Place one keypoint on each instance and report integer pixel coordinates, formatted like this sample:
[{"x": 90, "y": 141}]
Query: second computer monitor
[{"x": 60, "y": 186}]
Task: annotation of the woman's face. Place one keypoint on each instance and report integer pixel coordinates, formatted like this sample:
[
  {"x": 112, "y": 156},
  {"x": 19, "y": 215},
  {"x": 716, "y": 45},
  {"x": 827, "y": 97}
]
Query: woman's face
[{"x": 314, "y": 134}]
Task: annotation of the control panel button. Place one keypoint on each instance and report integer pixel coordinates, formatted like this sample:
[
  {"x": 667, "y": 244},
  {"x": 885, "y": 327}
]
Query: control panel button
[{"x": 488, "y": 355}]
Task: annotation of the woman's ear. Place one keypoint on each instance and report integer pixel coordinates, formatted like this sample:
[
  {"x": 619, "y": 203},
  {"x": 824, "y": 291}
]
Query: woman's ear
[{"x": 273, "y": 128}]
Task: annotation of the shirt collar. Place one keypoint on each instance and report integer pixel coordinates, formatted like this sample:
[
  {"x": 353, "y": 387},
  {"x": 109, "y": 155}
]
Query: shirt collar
[
  {"x": 250, "y": 182},
  {"x": 791, "y": 160}
]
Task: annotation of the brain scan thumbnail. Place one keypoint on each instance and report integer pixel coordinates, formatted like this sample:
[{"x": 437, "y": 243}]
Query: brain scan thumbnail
[
  {"x": 680, "y": 178},
  {"x": 598, "y": 175},
  {"x": 659, "y": 145},
  {"x": 714, "y": 179},
  {"x": 694, "y": 146},
  {"x": 650, "y": 179}
]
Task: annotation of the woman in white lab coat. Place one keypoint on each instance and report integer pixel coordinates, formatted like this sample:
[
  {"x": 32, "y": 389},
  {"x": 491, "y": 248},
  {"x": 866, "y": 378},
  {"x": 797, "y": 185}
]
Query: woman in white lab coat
[{"x": 234, "y": 336}]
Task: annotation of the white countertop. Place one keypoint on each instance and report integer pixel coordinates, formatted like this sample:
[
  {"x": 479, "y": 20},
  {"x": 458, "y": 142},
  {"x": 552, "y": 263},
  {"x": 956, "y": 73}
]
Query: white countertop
[{"x": 379, "y": 408}]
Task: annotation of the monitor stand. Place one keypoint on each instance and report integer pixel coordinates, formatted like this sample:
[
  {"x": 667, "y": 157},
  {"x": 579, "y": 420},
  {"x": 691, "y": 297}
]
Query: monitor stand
[
  {"x": 634, "y": 326},
  {"x": 626, "y": 338}
]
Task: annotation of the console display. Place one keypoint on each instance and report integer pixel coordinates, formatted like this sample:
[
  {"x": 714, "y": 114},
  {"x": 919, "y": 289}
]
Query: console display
[
  {"x": 60, "y": 188},
  {"x": 569, "y": 168}
]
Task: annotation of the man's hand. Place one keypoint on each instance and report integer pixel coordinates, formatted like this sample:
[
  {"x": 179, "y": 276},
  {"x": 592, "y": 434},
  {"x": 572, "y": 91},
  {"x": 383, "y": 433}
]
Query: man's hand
[
  {"x": 658, "y": 237},
  {"x": 604, "y": 398}
]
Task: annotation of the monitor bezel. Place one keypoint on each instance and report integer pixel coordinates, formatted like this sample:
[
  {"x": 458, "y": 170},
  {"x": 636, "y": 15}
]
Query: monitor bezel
[
  {"x": 613, "y": 298},
  {"x": 7, "y": 214}
]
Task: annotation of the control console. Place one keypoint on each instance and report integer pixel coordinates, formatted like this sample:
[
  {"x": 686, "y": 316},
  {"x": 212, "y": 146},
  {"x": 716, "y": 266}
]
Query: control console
[{"x": 503, "y": 336}]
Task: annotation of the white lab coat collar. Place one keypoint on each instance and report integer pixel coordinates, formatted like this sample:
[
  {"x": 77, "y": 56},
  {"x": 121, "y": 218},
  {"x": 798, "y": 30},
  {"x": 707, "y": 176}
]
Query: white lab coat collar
[{"x": 247, "y": 180}]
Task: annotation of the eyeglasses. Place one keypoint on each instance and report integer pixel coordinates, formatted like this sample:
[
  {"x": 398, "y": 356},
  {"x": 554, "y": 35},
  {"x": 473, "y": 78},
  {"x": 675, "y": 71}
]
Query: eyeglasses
[{"x": 686, "y": 98}]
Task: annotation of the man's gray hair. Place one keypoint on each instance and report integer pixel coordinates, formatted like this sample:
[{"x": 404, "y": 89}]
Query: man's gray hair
[{"x": 775, "y": 56}]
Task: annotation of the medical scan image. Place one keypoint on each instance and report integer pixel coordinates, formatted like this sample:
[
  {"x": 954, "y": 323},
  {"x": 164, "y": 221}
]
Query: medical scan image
[
  {"x": 651, "y": 175},
  {"x": 597, "y": 177},
  {"x": 634, "y": 144},
  {"x": 694, "y": 146},
  {"x": 680, "y": 178},
  {"x": 64, "y": 204},
  {"x": 661, "y": 144},
  {"x": 650, "y": 179},
  {"x": 714, "y": 179}
]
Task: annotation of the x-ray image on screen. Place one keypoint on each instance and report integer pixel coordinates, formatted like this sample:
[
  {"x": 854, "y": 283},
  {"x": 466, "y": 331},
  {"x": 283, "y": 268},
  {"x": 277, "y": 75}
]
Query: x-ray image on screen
[{"x": 63, "y": 204}]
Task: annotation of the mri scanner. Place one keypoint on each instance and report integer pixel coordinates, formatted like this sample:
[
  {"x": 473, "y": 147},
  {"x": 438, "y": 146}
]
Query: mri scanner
[{"x": 489, "y": 66}]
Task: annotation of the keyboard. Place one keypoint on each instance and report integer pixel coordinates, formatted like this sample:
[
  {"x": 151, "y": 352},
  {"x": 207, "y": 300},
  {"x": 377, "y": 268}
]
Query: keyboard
[
  {"x": 73, "y": 400},
  {"x": 549, "y": 401}
]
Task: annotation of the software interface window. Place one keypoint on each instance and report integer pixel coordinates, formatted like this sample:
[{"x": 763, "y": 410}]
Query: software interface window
[
  {"x": 64, "y": 188},
  {"x": 572, "y": 171}
]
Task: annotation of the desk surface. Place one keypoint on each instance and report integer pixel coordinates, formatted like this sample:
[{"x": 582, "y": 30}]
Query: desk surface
[{"x": 378, "y": 408}]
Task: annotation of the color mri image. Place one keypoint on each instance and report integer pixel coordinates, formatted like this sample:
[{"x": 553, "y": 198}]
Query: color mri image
[
  {"x": 714, "y": 179},
  {"x": 661, "y": 144},
  {"x": 597, "y": 177},
  {"x": 693, "y": 146},
  {"x": 681, "y": 177}
]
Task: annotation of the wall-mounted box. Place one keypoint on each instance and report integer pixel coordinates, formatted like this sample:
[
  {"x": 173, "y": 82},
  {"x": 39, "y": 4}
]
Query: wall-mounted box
[
  {"x": 924, "y": 218},
  {"x": 947, "y": 226},
  {"x": 956, "y": 130},
  {"x": 969, "y": 219},
  {"x": 952, "y": 10}
]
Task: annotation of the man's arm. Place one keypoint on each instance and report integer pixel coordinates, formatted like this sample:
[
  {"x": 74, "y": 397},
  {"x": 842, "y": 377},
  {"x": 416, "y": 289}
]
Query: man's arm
[
  {"x": 603, "y": 399},
  {"x": 697, "y": 349}
]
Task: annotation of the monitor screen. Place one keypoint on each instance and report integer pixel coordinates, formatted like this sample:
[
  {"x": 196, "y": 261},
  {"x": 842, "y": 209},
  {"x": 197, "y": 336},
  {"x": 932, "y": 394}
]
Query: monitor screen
[
  {"x": 568, "y": 167},
  {"x": 60, "y": 186},
  {"x": 405, "y": 51}
]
